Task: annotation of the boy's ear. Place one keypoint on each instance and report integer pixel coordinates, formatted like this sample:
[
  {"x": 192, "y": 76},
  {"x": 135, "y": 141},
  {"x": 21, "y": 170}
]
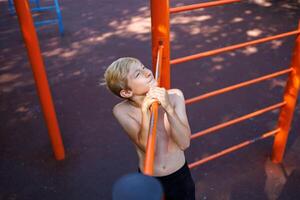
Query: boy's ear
[{"x": 125, "y": 93}]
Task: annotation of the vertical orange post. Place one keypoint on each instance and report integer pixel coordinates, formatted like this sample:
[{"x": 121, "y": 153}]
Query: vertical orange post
[
  {"x": 39, "y": 73},
  {"x": 160, "y": 29},
  {"x": 287, "y": 111}
]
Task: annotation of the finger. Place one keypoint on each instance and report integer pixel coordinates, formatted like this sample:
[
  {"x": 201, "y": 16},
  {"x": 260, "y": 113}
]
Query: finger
[
  {"x": 155, "y": 89},
  {"x": 157, "y": 94},
  {"x": 156, "y": 100},
  {"x": 150, "y": 96},
  {"x": 151, "y": 103},
  {"x": 151, "y": 91},
  {"x": 152, "y": 88},
  {"x": 159, "y": 90}
]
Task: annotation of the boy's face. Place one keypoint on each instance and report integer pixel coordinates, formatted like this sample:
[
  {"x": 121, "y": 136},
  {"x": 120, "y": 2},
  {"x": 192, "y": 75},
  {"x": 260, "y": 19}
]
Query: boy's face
[{"x": 140, "y": 79}]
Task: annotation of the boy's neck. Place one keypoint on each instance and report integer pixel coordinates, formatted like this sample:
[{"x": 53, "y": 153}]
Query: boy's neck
[{"x": 137, "y": 101}]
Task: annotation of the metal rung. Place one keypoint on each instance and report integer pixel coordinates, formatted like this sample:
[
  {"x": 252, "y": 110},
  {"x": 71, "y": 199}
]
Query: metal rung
[
  {"x": 46, "y": 22},
  {"x": 43, "y": 8},
  {"x": 230, "y": 48},
  {"x": 233, "y": 148},
  {"x": 237, "y": 86},
  {"x": 237, "y": 120},
  {"x": 201, "y": 5}
]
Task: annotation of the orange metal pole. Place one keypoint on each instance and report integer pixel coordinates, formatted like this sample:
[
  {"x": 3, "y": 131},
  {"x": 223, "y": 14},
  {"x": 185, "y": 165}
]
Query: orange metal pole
[
  {"x": 36, "y": 61},
  {"x": 233, "y": 148},
  {"x": 287, "y": 112},
  {"x": 150, "y": 149},
  {"x": 201, "y": 5},
  {"x": 236, "y": 86},
  {"x": 237, "y": 120},
  {"x": 160, "y": 29},
  {"x": 230, "y": 48}
]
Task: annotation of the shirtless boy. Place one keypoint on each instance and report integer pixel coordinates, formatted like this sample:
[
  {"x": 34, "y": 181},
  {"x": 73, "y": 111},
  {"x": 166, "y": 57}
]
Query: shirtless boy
[{"x": 130, "y": 80}]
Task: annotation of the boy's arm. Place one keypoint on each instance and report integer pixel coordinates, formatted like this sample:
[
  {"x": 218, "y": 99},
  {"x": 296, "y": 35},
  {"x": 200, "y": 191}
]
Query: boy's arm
[
  {"x": 180, "y": 129},
  {"x": 136, "y": 132}
]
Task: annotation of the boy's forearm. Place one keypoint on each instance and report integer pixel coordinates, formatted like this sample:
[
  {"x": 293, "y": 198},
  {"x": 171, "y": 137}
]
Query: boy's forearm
[
  {"x": 180, "y": 133},
  {"x": 143, "y": 134}
]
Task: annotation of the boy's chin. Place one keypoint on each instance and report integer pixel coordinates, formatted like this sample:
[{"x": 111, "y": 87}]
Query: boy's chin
[{"x": 153, "y": 83}]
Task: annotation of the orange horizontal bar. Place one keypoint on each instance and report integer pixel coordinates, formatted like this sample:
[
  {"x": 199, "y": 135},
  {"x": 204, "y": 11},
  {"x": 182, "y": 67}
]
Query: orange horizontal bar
[
  {"x": 233, "y": 47},
  {"x": 201, "y": 5},
  {"x": 239, "y": 119},
  {"x": 239, "y": 85},
  {"x": 233, "y": 148}
]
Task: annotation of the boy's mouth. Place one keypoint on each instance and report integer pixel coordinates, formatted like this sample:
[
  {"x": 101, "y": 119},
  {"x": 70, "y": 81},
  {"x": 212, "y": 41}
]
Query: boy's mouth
[
  {"x": 152, "y": 78},
  {"x": 152, "y": 82}
]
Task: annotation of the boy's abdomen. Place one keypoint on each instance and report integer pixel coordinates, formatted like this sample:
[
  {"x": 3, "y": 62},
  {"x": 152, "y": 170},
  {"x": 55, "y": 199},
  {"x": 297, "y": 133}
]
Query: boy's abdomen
[
  {"x": 168, "y": 156},
  {"x": 165, "y": 164}
]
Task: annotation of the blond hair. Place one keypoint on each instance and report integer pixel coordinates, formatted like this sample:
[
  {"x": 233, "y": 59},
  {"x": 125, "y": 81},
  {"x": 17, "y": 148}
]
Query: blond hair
[{"x": 115, "y": 76}]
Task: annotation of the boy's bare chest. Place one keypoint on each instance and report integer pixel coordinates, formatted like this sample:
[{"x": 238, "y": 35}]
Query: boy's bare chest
[{"x": 163, "y": 125}]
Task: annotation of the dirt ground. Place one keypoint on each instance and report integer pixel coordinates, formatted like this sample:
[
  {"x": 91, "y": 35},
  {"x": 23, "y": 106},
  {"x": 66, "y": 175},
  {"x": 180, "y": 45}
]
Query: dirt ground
[{"x": 97, "y": 149}]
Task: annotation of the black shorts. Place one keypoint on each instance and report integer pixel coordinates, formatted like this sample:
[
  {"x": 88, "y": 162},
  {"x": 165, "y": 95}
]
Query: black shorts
[{"x": 178, "y": 185}]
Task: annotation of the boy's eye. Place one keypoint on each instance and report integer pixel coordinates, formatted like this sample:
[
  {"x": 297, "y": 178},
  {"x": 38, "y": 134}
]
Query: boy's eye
[{"x": 137, "y": 75}]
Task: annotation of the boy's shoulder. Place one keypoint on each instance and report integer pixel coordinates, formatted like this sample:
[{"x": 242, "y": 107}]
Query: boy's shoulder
[
  {"x": 124, "y": 109},
  {"x": 175, "y": 91},
  {"x": 176, "y": 95},
  {"x": 121, "y": 106}
]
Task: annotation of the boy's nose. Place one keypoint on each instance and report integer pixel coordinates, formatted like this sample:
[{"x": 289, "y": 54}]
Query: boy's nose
[{"x": 148, "y": 73}]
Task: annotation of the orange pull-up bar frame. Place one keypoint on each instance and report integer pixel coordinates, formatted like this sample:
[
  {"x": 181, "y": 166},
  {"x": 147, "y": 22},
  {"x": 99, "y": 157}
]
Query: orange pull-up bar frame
[
  {"x": 160, "y": 17},
  {"x": 39, "y": 73}
]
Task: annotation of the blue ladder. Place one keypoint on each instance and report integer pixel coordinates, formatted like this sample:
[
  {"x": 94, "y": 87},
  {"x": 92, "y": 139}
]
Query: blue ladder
[{"x": 39, "y": 8}]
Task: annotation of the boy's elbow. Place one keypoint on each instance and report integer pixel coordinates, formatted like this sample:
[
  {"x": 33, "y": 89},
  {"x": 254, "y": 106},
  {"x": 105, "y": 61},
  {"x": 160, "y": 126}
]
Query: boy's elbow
[
  {"x": 185, "y": 145},
  {"x": 141, "y": 144},
  {"x": 187, "y": 141}
]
